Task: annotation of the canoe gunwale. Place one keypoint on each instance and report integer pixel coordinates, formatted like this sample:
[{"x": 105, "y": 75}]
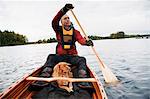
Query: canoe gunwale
[
  {"x": 17, "y": 83},
  {"x": 98, "y": 85},
  {"x": 99, "y": 90}
]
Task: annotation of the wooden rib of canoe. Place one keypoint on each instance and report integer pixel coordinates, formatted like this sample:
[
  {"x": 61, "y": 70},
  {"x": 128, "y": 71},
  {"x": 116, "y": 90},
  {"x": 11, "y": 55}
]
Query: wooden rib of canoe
[{"x": 20, "y": 88}]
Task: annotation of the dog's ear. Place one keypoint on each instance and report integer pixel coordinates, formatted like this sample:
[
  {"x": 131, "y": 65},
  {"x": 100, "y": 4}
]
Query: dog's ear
[
  {"x": 69, "y": 68},
  {"x": 70, "y": 74},
  {"x": 56, "y": 71},
  {"x": 69, "y": 71},
  {"x": 68, "y": 64}
]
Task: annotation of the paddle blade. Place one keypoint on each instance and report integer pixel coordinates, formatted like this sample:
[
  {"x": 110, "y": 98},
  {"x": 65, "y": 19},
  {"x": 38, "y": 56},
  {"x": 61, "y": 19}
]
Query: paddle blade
[{"x": 109, "y": 76}]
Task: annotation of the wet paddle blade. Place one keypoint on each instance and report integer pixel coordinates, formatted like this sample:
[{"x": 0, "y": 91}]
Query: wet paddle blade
[{"x": 109, "y": 76}]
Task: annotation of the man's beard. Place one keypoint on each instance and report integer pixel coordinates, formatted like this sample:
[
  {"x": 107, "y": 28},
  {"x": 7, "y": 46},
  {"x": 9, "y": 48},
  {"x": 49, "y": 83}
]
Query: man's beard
[{"x": 68, "y": 27}]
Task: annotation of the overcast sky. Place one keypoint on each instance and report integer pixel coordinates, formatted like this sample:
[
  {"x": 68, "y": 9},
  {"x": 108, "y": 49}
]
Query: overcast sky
[{"x": 33, "y": 18}]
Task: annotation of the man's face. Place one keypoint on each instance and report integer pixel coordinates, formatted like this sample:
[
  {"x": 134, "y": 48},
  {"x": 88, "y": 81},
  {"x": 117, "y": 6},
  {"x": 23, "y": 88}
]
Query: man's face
[{"x": 65, "y": 21}]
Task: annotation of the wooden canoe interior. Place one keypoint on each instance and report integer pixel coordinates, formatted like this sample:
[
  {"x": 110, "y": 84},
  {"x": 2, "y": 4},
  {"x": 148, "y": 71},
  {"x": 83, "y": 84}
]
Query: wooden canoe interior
[{"x": 20, "y": 88}]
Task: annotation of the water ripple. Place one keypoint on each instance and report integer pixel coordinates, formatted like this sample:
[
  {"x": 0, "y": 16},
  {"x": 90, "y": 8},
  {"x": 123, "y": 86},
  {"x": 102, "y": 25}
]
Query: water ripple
[{"x": 128, "y": 59}]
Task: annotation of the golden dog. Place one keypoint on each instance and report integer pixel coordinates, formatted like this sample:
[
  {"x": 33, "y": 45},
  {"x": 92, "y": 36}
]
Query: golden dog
[{"x": 62, "y": 69}]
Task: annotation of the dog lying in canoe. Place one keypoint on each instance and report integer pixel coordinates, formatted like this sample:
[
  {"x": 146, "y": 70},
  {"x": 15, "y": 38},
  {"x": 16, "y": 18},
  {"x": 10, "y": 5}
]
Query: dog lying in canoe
[{"x": 62, "y": 69}]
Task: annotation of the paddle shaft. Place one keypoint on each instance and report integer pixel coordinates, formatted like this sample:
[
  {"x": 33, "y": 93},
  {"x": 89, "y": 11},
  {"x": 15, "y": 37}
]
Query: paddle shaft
[{"x": 98, "y": 58}]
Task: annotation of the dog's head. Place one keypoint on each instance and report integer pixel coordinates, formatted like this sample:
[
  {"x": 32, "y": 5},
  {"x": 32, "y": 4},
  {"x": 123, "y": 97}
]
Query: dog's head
[{"x": 62, "y": 69}]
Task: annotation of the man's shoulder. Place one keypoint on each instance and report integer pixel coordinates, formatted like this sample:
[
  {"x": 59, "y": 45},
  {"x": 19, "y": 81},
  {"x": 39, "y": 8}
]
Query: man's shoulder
[{"x": 76, "y": 31}]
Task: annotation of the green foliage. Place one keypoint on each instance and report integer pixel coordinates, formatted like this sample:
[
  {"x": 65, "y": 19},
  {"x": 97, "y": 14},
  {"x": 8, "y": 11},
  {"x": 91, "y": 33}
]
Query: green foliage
[
  {"x": 39, "y": 41},
  {"x": 95, "y": 37},
  {"x": 121, "y": 34},
  {"x": 8, "y": 38},
  {"x": 47, "y": 41},
  {"x": 51, "y": 40},
  {"x": 117, "y": 35}
]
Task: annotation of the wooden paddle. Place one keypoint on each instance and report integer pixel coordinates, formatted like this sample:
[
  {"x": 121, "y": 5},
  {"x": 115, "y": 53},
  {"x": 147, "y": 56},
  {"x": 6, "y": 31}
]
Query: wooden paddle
[
  {"x": 108, "y": 75},
  {"x": 62, "y": 78}
]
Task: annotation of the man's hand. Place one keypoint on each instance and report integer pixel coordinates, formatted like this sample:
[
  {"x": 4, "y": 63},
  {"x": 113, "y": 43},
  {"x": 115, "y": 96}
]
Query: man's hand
[
  {"x": 89, "y": 43},
  {"x": 69, "y": 6}
]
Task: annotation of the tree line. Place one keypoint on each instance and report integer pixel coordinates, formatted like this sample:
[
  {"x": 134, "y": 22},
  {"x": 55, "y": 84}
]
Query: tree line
[
  {"x": 118, "y": 35},
  {"x": 9, "y": 38},
  {"x": 50, "y": 40}
]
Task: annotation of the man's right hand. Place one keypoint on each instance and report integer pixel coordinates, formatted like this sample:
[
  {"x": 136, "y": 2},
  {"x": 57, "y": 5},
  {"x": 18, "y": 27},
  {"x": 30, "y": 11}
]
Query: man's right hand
[
  {"x": 89, "y": 43},
  {"x": 69, "y": 6}
]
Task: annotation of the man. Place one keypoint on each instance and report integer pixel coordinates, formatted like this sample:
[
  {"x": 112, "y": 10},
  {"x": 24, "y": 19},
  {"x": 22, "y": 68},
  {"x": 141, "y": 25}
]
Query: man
[
  {"x": 66, "y": 51},
  {"x": 66, "y": 34}
]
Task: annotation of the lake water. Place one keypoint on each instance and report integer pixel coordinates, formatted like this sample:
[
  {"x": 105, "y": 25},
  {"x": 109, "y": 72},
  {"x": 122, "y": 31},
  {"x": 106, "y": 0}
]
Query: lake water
[{"x": 129, "y": 60}]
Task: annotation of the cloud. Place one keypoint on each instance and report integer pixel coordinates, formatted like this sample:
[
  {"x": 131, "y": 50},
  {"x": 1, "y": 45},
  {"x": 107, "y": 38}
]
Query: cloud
[
  {"x": 33, "y": 18},
  {"x": 108, "y": 17}
]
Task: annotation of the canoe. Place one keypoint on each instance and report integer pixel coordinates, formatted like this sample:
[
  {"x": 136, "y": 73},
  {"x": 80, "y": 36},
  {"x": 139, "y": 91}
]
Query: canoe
[{"x": 20, "y": 89}]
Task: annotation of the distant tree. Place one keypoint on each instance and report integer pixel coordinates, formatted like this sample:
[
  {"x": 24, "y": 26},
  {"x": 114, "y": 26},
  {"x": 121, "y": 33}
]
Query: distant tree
[
  {"x": 120, "y": 34},
  {"x": 113, "y": 35},
  {"x": 117, "y": 35},
  {"x": 39, "y": 41},
  {"x": 94, "y": 37},
  {"x": 44, "y": 41},
  {"x": 51, "y": 40},
  {"x": 11, "y": 38}
]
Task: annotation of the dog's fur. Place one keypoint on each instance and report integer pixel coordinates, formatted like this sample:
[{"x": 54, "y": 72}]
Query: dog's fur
[{"x": 62, "y": 69}]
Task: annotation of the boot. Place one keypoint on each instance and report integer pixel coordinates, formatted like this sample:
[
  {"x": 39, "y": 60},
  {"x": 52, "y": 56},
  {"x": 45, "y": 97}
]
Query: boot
[
  {"x": 38, "y": 85},
  {"x": 83, "y": 74}
]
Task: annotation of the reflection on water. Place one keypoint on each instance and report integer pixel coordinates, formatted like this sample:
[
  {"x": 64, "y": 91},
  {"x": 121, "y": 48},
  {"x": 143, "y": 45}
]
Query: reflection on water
[{"x": 127, "y": 58}]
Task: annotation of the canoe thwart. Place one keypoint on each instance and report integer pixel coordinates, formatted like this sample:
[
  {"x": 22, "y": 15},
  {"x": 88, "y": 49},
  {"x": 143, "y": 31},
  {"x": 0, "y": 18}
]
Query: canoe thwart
[{"x": 62, "y": 78}]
